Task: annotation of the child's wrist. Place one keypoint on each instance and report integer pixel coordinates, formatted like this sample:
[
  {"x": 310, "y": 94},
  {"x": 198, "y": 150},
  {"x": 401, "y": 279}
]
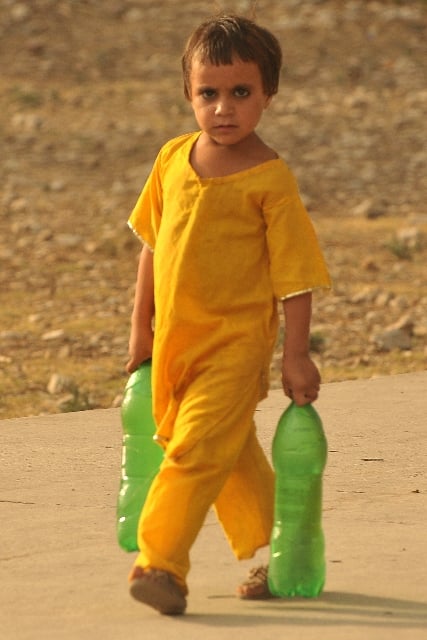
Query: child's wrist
[{"x": 295, "y": 352}]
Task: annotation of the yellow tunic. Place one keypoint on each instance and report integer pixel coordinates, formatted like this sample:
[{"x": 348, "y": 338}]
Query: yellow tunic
[{"x": 225, "y": 249}]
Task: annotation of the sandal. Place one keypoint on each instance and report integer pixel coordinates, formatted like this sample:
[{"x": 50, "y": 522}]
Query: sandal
[
  {"x": 158, "y": 589},
  {"x": 255, "y": 586}
]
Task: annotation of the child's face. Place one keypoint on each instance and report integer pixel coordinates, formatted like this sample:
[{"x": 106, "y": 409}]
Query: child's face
[{"x": 227, "y": 100}]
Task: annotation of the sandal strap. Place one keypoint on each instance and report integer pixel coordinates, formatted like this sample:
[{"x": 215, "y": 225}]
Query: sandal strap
[
  {"x": 258, "y": 574},
  {"x": 255, "y": 586}
]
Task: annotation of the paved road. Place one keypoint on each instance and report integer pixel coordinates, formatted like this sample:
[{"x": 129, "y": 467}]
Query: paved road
[{"x": 63, "y": 576}]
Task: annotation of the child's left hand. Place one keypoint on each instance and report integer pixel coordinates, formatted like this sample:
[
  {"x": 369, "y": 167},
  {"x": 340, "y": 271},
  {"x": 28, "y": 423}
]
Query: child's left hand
[{"x": 300, "y": 379}]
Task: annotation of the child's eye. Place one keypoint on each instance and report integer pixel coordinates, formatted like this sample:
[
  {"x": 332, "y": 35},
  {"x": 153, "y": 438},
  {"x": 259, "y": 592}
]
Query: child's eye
[
  {"x": 241, "y": 92},
  {"x": 208, "y": 93}
]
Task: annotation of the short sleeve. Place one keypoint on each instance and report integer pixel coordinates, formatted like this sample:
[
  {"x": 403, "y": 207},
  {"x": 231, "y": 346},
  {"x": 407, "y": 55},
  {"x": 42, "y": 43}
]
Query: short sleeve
[
  {"x": 296, "y": 260},
  {"x": 146, "y": 216}
]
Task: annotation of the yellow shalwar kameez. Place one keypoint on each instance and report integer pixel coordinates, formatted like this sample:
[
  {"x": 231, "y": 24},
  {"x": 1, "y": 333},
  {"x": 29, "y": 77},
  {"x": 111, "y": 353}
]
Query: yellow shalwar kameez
[{"x": 225, "y": 250}]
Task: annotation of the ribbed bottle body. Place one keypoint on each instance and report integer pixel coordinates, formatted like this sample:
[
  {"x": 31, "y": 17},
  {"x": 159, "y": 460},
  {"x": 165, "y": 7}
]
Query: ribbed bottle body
[
  {"x": 297, "y": 546},
  {"x": 141, "y": 456}
]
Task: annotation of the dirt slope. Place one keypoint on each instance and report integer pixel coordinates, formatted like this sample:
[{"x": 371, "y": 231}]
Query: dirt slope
[{"x": 88, "y": 93}]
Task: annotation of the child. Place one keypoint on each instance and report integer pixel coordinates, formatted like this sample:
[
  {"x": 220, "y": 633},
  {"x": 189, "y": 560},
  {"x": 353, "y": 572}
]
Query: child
[{"x": 225, "y": 237}]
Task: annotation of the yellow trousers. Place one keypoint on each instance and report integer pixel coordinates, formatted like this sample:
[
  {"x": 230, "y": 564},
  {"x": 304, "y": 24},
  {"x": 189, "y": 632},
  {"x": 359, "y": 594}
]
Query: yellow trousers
[{"x": 213, "y": 458}]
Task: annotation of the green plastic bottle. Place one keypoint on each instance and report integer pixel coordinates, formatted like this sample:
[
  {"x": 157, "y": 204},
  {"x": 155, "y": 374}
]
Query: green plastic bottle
[
  {"x": 141, "y": 456},
  {"x": 297, "y": 547}
]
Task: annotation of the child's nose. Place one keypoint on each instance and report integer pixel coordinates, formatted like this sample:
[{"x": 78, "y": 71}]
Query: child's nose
[{"x": 223, "y": 106}]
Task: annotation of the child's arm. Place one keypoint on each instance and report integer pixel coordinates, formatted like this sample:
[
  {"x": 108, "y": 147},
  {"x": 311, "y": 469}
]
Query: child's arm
[
  {"x": 141, "y": 335},
  {"x": 300, "y": 376}
]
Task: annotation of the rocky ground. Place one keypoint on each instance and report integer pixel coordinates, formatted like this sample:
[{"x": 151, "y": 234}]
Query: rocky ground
[{"x": 90, "y": 90}]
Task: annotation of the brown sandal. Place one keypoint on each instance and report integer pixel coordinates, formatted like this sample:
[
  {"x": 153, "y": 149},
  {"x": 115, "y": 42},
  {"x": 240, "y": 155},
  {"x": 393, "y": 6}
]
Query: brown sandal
[
  {"x": 255, "y": 586},
  {"x": 158, "y": 589}
]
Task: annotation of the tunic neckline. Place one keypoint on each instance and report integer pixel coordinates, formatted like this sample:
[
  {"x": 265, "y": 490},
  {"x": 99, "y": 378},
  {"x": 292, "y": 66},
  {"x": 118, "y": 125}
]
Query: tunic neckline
[{"x": 229, "y": 177}]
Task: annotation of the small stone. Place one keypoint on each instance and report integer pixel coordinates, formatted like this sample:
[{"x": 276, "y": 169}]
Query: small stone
[
  {"x": 362, "y": 208},
  {"x": 118, "y": 187},
  {"x": 36, "y": 47},
  {"x": 369, "y": 264},
  {"x": 28, "y": 122},
  {"x": 134, "y": 15},
  {"x": 368, "y": 208},
  {"x": 20, "y": 12},
  {"x": 376, "y": 211},
  {"x": 67, "y": 403},
  {"x": 64, "y": 352},
  {"x": 410, "y": 237},
  {"x": 57, "y": 185},
  {"x": 399, "y": 303},
  {"x": 420, "y": 331},
  {"x": 55, "y": 334},
  {"x": 383, "y": 298},
  {"x": 393, "y": 339},
  {"x": 117, "y": 402},
  {"x": 19, "y": 205},
  {"x": 406, "y": 324},
  {"x": 367, "y": 294},
  {"x": 68, "y": 240},
  {"x": 59, "y": 384}
]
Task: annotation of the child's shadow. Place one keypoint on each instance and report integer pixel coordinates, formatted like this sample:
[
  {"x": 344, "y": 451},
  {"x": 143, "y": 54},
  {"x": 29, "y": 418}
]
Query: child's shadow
[{"x": 330, "y": 609}]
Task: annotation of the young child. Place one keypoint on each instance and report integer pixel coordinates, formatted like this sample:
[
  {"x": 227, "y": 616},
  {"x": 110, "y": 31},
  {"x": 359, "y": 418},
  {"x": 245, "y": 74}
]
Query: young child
[{"x": 225, "y": 237}]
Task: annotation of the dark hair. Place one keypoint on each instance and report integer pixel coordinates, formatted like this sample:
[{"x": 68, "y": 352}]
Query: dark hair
[{"x": 222, "y": 37}]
